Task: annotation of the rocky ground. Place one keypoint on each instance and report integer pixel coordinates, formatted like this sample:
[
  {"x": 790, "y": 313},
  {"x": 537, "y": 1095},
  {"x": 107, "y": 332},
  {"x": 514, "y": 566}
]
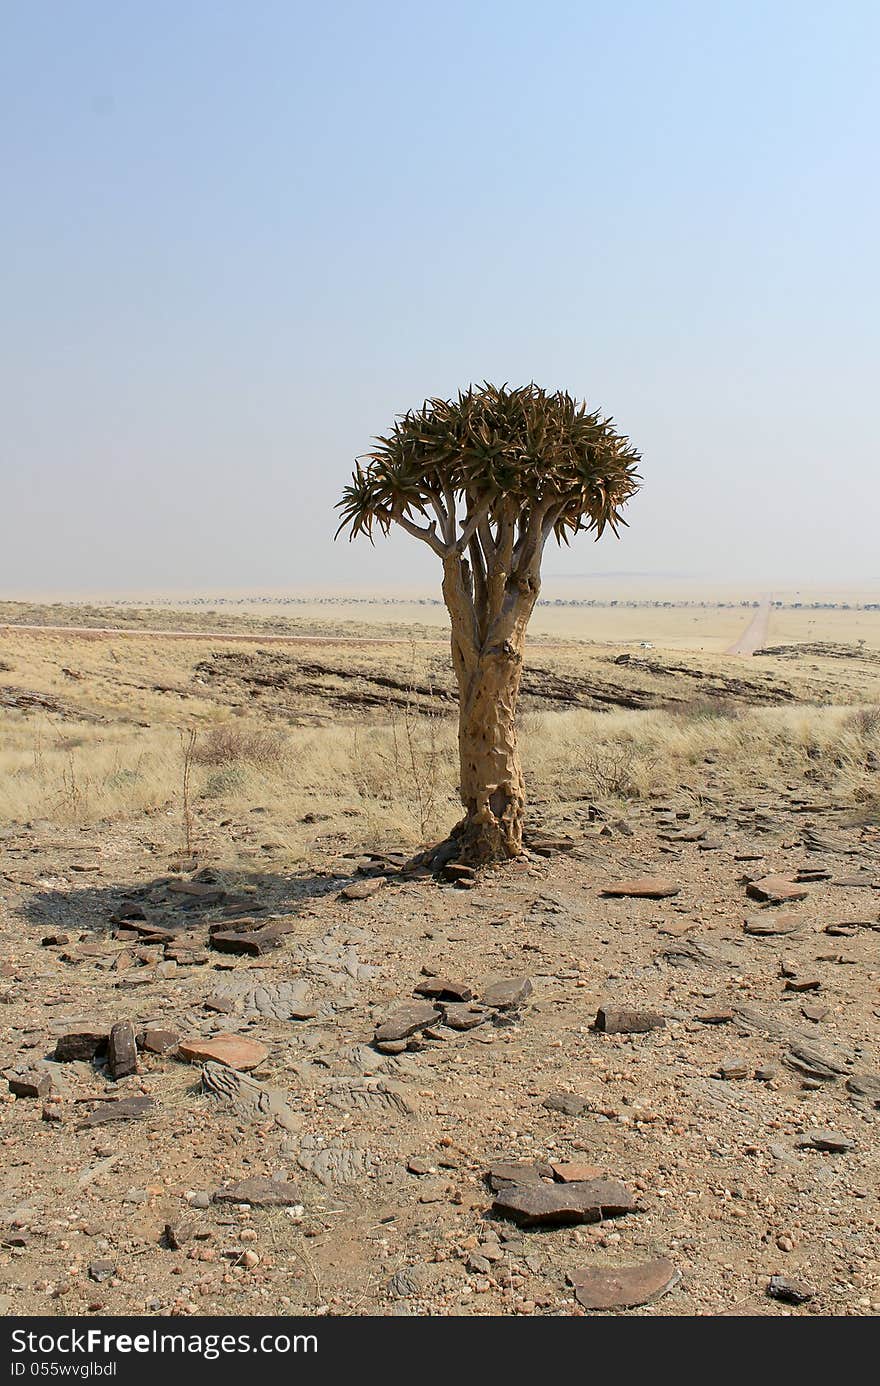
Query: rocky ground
[{"x": 353, "y": 1151}]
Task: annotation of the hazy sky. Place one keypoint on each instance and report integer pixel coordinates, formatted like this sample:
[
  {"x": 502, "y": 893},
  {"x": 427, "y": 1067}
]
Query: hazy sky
[{"x": 238, "y": 238}]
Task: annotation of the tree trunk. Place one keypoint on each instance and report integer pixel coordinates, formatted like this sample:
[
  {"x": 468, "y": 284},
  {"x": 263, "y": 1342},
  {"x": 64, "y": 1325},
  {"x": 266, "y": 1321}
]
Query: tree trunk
[
  {"x": 492, "y": 786},
  {"x": 488, "y": 639}
]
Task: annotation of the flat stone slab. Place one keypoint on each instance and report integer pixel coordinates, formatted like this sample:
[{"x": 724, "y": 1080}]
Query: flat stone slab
[
  {"x": 505, "y": 993},
  {"x": 123, "y": 1109},
  {"x": 624, "y": 1287},
  {"x": 643, "y": 888},
  {"x": 573, "y": 1172},
  {"x": 507, "y": 1173},
  {"x": 252, "y": 943},
  {"x": 459, "y": 1015},
  {"x": 442, "y": 989},
  {"x": 234, "y": 1051},
  {"x": 539, "y": 1204},
  {"x": 775, "y": 890},
  {"x": 770, "y": 925},
  {"x": 362, "y": 890},
  {"x": 408, "y": 1020},
  {"x": 261, "y": 1193},
  {"x": 833, "y": 1141},
  {"x": 623, "y": 1022}
]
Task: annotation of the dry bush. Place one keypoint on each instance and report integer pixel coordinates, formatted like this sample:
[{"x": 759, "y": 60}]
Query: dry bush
[
  {"x": 230, "y": 745},
  {"x": 865, "y": 723}
]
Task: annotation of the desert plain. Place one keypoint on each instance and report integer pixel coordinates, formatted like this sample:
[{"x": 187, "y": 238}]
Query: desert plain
[{"x": 259, "y": 1060}]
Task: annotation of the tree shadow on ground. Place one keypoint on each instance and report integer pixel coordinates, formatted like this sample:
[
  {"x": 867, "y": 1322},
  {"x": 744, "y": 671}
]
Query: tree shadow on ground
[{"x": 163, "y": 901}]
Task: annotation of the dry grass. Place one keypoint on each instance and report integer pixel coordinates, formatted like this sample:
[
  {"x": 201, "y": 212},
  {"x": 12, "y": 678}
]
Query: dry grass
[{"x": 397, "y": 781}]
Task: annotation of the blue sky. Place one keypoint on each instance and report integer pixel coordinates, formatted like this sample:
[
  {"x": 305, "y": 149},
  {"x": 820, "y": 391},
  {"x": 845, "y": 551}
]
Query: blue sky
[{"x": 237, "y": 239}]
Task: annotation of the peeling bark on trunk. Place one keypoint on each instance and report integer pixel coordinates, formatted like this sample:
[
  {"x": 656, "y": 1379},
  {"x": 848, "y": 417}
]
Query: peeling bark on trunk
[
  {"x": 492, "y": 786},
  {"x": 487, "y": 654}
]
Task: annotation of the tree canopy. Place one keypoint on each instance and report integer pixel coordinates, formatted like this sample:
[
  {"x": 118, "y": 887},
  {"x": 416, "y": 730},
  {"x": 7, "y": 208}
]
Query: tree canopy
[{"x": 523, "y": 457}]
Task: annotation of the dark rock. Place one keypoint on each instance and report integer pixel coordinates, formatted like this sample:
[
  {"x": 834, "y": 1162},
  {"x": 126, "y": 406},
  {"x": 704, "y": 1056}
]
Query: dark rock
[
  {"x": 566, "y": 1102},
  {"x": 241, "y": 925},
  {"x": 442, "y": 989},
  {"x": 458, "y": 871},
  {"x": 158, "y": 1041},
  {"x": 409, "y": 1019},
  {"x": 30, "y": 1082},
  {"x": 541, "y": 1204},
  {"x": 177, "y": 1234},
  {"x": 220, "y": 1005},
  {"x": 121, "y": 1109},
  {"x": 101, "y": 1270},
  {"x": 122, "y": 1050},
  {"x": 81, "y": 1045},
  {"x": 814, "y": 1062},
  {"x": 150, "y": 933},
  {"x": 624, "y": 1287},
  {"x": 260, "y": 1193},
  {"x": 205, "y": 892},
  {"x": 506, "y": 993},
  {"x": 622, "y": 1022},
  {"x": 55, "y": 940},
  {"x": 509, "y": 1173},
  {"x": 250, "y": 944},
  {"x": 789, "y": 1291}
]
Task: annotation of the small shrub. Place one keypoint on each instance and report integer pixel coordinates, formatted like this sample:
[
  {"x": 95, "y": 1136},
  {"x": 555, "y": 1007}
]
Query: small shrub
[
  {"x": 227, "y": 780},
  {"x": 864, "y": 722},
  {"x": 228, "y": 745},
  {"x": 703, "y": 710}
]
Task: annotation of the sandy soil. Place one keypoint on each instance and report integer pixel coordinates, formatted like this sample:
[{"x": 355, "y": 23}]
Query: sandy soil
[{"x": 389, "y": 1152}]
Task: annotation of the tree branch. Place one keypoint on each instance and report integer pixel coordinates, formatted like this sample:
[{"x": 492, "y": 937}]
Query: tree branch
[
  {"x": 471, "y": 522},
  {"x": 444, "y": 514},
  {"x": 427, "y": 533}
]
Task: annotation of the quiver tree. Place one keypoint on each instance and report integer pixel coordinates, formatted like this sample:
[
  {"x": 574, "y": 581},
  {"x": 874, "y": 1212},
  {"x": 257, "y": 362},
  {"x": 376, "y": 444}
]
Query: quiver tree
[{"x": 484, "y": 480}]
